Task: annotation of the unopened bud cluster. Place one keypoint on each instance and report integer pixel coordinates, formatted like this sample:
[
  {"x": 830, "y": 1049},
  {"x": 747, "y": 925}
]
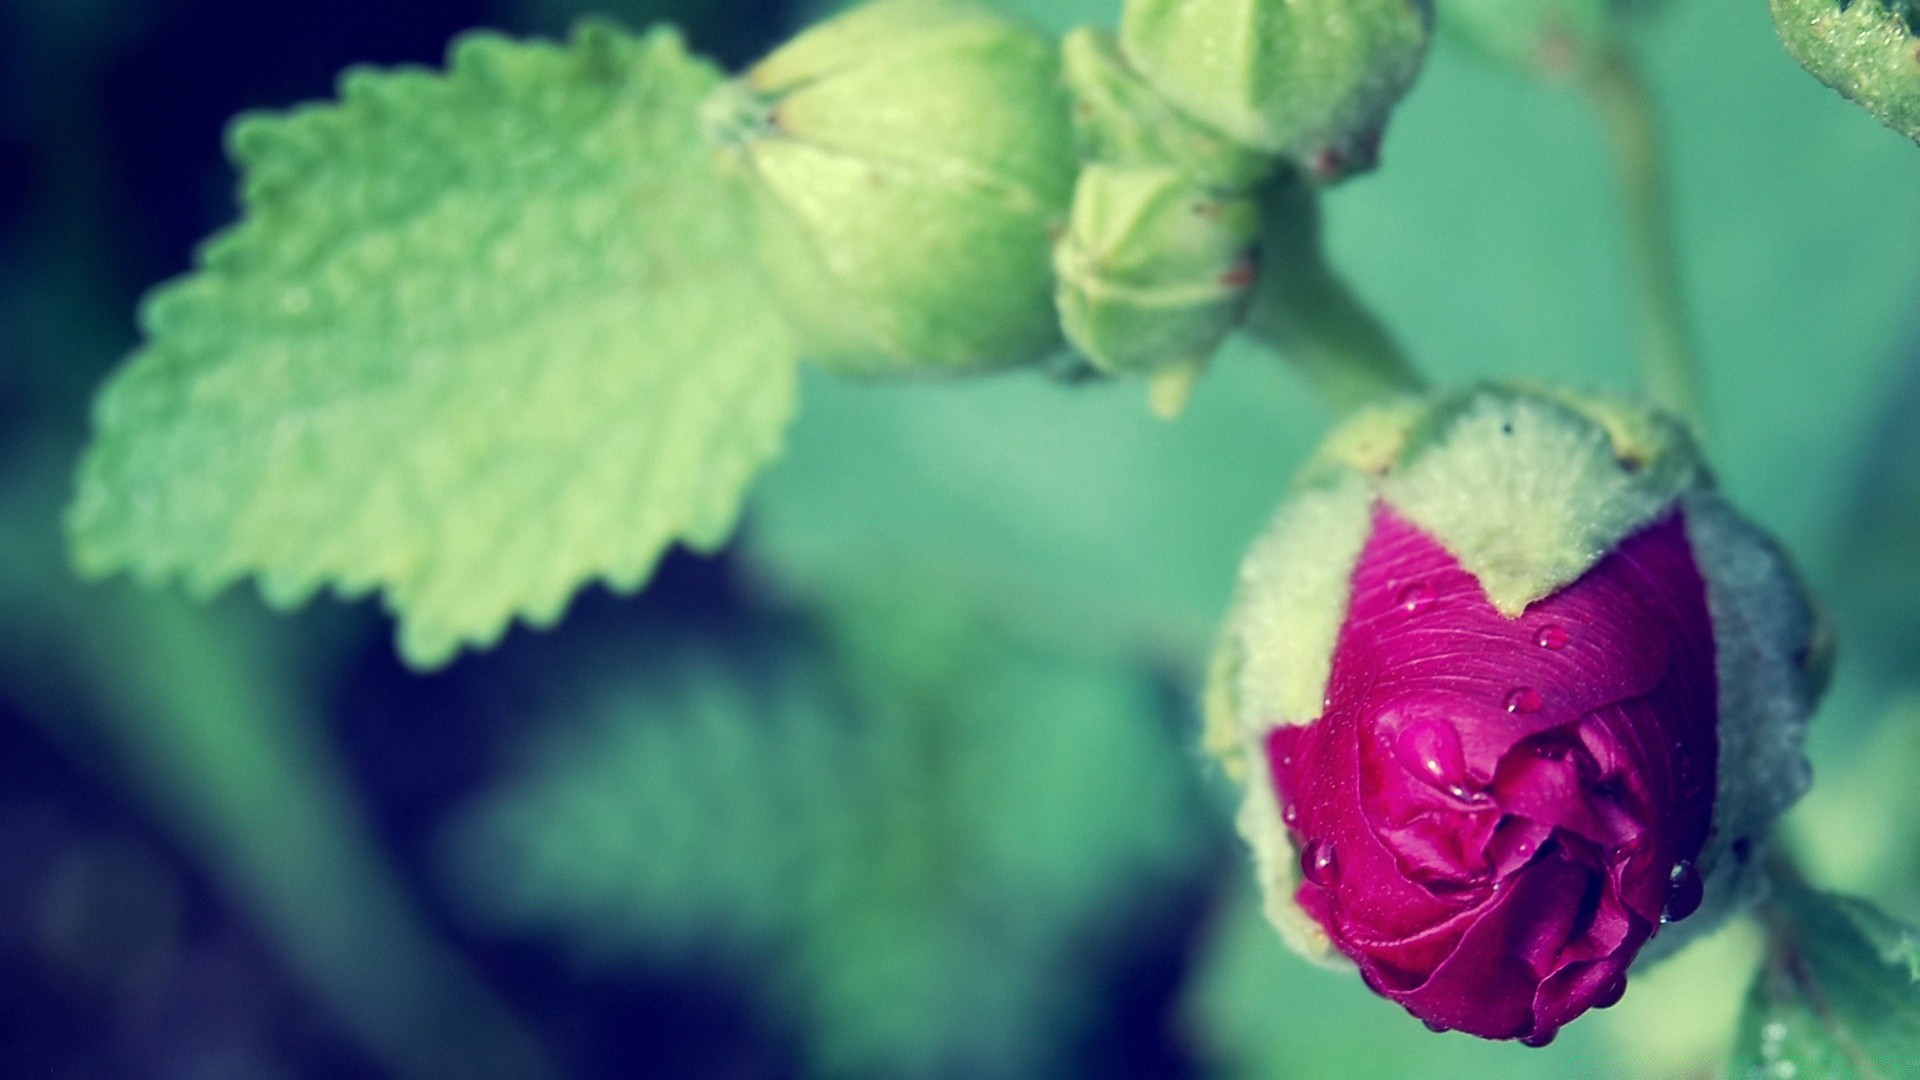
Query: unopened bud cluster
[{"x": 937, "y": 189}]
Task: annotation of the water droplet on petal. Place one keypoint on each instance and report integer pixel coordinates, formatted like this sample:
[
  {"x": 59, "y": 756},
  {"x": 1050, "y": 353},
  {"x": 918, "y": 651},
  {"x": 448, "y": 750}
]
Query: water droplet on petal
[
  {"x": 1318, "y": 865},
  {"x": 1552, "y": 637},
  {"x": 1430, "y": 750},
  {"x": 1538, "y": 1041},
  {"x": 1415, "y": 598},
  {"x": 1290, "y": 814},
  {"x": 1524, "y": 699},
  {"x": 1685, "y": 890},
  {"x": 1435, "y": 1025}
]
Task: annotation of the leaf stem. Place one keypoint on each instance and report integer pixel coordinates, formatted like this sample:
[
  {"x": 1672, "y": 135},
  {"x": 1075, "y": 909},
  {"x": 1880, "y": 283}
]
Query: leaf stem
[
  {"x": 1302, "y": 308},
  {"x": 1670, "y": 372}
]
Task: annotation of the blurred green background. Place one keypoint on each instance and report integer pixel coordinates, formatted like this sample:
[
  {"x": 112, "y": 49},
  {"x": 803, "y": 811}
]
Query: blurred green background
[{"x": 905, "y": 782}]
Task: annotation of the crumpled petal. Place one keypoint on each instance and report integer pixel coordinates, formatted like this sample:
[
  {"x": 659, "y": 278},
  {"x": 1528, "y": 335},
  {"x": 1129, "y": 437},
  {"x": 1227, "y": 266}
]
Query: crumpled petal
[{"x": 1490, "y": 809}]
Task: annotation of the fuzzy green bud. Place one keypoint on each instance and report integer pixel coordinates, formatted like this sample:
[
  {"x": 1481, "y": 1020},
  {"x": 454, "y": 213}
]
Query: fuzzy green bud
[
  {"x": 908, "y": 162},
  {"x": 1120, "y": 119},
  {"x": 1153, "y": 270},
  {"x": 1868, "y": 50},
  {"x": 1312, "y": 80}
]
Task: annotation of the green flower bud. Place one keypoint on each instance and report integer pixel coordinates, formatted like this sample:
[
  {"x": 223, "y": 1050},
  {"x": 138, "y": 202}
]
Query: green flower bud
[
  {"x": 1153, "y": 271},
  {"x": 1869, "y": 50},
  {"x": 1308, "y": 79},
  {"x": 1120, "y": 119},
  {"x": 908, "y": 161}
]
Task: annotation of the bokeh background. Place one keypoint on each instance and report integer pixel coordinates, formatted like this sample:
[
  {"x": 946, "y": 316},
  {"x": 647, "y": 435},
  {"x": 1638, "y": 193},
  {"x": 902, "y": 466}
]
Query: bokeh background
[{"x": 904, "y": 783}]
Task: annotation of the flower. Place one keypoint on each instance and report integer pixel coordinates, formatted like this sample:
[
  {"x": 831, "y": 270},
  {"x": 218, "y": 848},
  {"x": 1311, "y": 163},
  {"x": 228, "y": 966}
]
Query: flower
[{"x": 1513, "y": 692}]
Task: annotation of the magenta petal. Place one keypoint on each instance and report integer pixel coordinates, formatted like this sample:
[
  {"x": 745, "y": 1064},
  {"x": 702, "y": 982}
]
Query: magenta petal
[{"x": 1505, "y": 798}]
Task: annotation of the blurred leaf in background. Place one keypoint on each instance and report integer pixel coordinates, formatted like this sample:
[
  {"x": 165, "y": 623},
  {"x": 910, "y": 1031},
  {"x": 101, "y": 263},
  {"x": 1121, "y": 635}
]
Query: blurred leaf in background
[{"x": 926, "y": 834}]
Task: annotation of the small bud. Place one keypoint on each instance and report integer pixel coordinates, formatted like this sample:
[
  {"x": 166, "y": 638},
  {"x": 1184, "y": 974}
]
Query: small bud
[
  {"x": 1516, "y": 697},
  {"x": 907, "y": 161},
  {"x": 1153, "y": 270},
  {"x": 1120, "y": 119},
  {"x": 1307, "y": 79}
]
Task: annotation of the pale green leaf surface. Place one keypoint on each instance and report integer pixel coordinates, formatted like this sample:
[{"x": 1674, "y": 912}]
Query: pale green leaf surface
[
  {"x": 1836, "y": 996},
  {"x": 1489, "y": 241},
  {"x": 917, "y": 831},
  {"x": 479, "y": 338}
]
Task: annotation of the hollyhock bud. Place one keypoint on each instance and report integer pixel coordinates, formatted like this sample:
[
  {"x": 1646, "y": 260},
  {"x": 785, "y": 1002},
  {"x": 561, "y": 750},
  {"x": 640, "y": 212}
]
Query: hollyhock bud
[
  {"x": 1120, "y": 119},
  {"x": 907, "y": 161},
  {"x": 1153, "y": 270},
  {"x": 1312, "y": 80},
  {"x": 1514, "y": 693}
]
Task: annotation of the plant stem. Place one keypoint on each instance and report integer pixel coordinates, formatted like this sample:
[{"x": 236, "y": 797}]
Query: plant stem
[
  {"x": 1303, "y": 309},
  {"x": 1670, "y": 372}
]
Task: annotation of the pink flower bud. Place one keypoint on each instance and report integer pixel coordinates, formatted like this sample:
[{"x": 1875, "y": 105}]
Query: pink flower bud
[{"x": 1513, "y": 693}]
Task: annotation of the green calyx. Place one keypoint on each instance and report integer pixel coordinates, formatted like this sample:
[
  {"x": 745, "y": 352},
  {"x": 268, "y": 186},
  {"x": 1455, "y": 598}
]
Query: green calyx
[
  {"x": 1153, "y": 271},
  {"x": 1311, "y": 80},
  {"x": 907, "y": 161},
  {"x": 1868, "y": 50}
]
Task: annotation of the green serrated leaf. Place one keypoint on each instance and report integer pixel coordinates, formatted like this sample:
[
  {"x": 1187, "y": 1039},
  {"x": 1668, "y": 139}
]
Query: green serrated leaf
[
  {"x": 1868, "y": 50},
  {"x": 481, "y": 337},
  {"x": 1836, "y": 996}
]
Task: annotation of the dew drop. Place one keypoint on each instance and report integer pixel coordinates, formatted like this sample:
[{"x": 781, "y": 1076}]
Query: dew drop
[
  {"x": 1430, "y": 750},
  {"x": 1685, "y": 890},
  {"x": 1290, "y": 814},
  {"x": 1552, "y": 637},
  {"x": 1435, "y": 1026},
  {"x": 1524, "y": 699},
  {"x": 1415, "y": 598},
  {"x": 1318, "y": 865},
  {"x": 1538, "y": 1041}
]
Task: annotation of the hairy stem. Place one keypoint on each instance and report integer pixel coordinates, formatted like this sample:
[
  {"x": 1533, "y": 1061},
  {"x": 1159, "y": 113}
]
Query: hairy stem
[
  {"x": 1303, "y": 309},
  {"x": 1670, "y": 372}
]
